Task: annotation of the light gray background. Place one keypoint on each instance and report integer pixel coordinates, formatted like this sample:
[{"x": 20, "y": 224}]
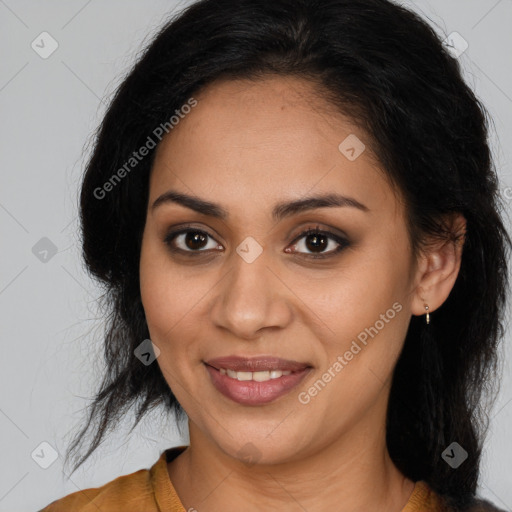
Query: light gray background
[{"x": 50, "y": 327}]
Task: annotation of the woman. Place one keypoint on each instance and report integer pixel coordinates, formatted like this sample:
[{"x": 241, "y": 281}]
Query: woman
[{"x": 294, "y": 211}]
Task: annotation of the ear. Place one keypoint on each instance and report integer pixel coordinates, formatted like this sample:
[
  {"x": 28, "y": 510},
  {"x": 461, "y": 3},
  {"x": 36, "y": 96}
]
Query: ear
[{"x": 438, "y": 267}]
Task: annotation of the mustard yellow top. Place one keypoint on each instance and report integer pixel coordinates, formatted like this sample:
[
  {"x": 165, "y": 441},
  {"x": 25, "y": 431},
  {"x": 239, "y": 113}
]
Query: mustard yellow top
[{"x": 151, "y": 490}]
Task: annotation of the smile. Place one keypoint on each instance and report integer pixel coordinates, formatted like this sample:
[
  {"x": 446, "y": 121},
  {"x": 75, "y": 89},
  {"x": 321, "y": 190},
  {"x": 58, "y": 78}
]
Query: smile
[{"x": 255, "y": 388}]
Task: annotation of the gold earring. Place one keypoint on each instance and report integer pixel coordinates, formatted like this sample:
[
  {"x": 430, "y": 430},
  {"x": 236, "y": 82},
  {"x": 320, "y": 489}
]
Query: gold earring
[{"x": 428, "y": 315}]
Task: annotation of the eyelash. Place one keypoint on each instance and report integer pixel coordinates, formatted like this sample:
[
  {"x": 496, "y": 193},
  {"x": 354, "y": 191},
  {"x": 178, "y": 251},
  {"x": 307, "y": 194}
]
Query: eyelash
[{"x": 343, "y": 243}]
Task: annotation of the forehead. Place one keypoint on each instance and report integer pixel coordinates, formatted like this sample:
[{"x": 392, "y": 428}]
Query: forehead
[{"x": 253, "y": 143}]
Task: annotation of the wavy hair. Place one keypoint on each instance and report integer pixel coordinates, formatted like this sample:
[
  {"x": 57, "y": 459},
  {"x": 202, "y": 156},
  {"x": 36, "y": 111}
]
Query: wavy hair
[{"x": 385, "y": 68}]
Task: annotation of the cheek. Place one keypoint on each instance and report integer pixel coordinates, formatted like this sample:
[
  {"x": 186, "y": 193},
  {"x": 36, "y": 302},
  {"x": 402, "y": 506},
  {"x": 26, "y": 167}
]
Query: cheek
[
  {"x": 171, "y": 299},
  {"x": 370, "y": 327},
  {"x": 368, "y": 312},
  {"x": 160, "y": 289},
  {"x": 165, "y": 309},
  {"x": 373, "y": 279}
]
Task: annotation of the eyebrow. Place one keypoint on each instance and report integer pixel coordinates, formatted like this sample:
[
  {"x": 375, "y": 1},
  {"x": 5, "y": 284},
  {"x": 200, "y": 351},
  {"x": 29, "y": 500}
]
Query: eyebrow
[{"x": 279, "y": 212}]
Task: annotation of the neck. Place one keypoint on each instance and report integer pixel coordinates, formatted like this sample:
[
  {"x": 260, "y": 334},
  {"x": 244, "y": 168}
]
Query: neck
[{"x": 354, "y": 472}]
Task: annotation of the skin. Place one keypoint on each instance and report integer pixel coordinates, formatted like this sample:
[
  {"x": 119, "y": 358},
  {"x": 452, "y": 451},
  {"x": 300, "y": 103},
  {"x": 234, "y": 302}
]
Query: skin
[{"x": 247, "y": 146}]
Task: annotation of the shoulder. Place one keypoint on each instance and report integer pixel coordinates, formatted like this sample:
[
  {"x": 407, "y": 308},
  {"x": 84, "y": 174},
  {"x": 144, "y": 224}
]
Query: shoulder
[
  {"x": 481, "y": 505},
  {"x": 425, "y": 498},
  {"x": 127, "y": 493},
  {"x": 476, "y": 505}
]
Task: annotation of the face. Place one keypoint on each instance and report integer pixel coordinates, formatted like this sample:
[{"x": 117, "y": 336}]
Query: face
[{"x": 251, "y": 284}]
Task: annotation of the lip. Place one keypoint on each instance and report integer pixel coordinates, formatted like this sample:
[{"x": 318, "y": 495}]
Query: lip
[
  {"x": 256, "y": 364},
  {"x": 253, "y": 392}
]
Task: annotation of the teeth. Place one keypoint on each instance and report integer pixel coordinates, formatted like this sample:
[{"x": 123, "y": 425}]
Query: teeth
[{"x": 262, "y": 376}]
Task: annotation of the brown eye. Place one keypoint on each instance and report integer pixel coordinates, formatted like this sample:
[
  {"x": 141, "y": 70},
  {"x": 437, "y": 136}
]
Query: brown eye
[
  {"x": 195, "y": 239},
  {"x": 189, "y": 240},
  {"x": 316, "y": 241},
  {"x": 312, "y": 243}
]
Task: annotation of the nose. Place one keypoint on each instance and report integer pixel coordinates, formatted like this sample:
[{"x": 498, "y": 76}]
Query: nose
[{"x": 250, "y": 298}]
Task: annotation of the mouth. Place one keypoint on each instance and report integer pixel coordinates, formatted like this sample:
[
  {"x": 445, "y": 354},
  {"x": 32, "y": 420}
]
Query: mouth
[
  {"x": 255, "y": 381},
  {"x": 256, "y": 364},
  {"x": 260, "y": 376}
]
